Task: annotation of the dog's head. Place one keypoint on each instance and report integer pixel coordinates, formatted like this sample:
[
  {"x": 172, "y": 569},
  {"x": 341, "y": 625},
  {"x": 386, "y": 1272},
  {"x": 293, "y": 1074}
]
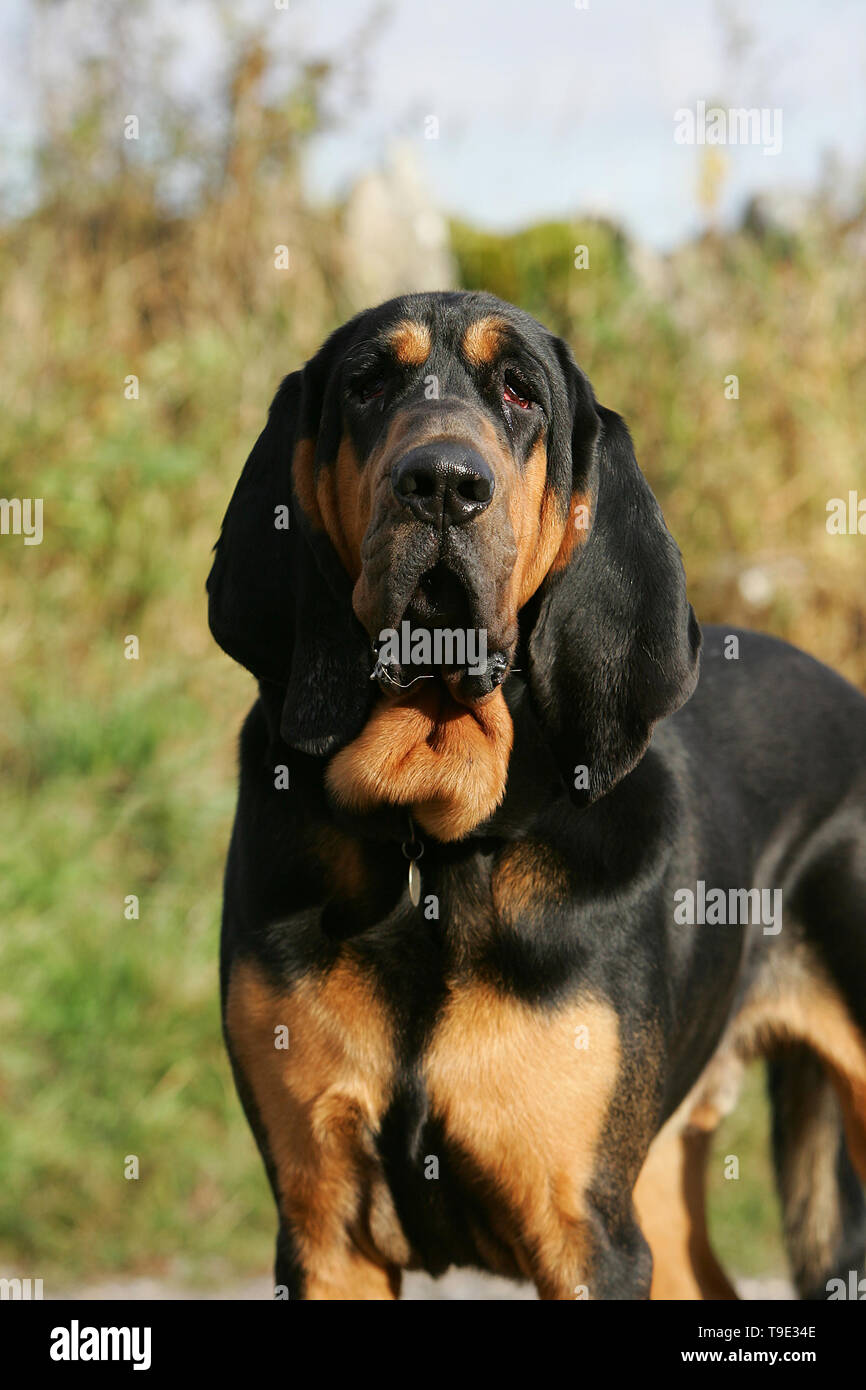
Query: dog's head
[{"x": 435, "y": 491}]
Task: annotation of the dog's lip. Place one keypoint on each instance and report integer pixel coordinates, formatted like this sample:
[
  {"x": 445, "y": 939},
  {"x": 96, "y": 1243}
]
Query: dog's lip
[
  {"x": 445, "y": 687},
  {"x": 463, "y": 685},
  {"x": 455, "y": 683}
]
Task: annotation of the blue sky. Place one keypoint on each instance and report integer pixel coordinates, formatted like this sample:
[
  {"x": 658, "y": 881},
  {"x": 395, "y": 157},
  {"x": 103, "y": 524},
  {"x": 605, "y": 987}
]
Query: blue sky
[{"x": 546, "y": 109}]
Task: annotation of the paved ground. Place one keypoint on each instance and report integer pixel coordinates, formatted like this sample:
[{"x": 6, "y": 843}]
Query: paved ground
[{"x": 458, "y": 1285}]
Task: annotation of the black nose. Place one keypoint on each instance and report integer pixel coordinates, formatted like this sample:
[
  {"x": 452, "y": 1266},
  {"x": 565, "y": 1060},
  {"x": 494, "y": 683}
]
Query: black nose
[{"x": 444, "y": 482}]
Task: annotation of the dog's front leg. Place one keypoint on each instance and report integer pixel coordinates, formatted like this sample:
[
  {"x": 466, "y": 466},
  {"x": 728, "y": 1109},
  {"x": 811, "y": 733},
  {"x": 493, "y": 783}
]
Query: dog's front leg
[{"x": 313, "y": 1065}]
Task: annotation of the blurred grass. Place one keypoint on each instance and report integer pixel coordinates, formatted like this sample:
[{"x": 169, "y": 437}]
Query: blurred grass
[
  {"x": 118, "y": 776},
  {"x": 743, "y": 1213}
]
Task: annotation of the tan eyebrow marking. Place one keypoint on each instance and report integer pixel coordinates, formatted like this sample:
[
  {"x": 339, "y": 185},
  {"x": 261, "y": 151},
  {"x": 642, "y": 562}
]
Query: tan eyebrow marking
[
  {"x": 410, "y": 342},
  {"x": 483, "y": 339}
]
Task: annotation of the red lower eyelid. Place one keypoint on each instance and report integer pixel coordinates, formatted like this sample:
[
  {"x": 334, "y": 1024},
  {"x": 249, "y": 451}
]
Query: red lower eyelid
[{"x": 511, "y": 395}]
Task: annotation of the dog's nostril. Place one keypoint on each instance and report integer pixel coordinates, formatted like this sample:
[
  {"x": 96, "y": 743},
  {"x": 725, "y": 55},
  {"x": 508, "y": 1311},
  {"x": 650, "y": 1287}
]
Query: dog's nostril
[
  {"x": 475, "y": 489},
  {"x": 415, "y": 482},
  {"x": 420, "y": 485}
]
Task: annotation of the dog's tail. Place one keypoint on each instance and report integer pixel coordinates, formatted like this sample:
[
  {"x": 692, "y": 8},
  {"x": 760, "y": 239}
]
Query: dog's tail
[{"x": 823, "y": 1202}]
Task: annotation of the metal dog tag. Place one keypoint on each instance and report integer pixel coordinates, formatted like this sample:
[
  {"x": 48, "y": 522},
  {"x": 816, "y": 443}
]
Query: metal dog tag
[
  {"x": 413, "y": 849},
  {"x": 414, "y": 883}
]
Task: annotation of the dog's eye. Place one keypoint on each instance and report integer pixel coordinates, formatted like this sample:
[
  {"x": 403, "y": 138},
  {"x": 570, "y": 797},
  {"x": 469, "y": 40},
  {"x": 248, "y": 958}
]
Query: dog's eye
[
  {"x": 371, "y": 389},
  {"x": 515, "y": 393}
]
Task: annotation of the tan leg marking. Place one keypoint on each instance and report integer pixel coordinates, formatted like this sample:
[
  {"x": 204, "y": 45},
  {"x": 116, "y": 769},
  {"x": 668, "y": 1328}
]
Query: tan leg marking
[
  {"x": 320, "y": 1101},
  {"x": 812, "y": 1011},
  {"x": 528, "y": 1109},
  {"x": 800, "y": 1006},
  {"x": 670, "y": 1198}
]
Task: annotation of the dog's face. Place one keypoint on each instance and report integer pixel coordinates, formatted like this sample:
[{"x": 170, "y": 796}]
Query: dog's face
[
  {"x": 444, "y": 462},
  {"x": 442, "y": 475}
]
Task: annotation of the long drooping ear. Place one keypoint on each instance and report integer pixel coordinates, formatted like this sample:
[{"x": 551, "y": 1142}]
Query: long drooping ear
[
  {"x": 615, "y": 643},
  {"x": 280, "y": 603}
]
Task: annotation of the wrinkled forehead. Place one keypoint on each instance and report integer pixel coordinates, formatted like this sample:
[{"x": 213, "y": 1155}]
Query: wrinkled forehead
[{"x": 456, "y": 338}]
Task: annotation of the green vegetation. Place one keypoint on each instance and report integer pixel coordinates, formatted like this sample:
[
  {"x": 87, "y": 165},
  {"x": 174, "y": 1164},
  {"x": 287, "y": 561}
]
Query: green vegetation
[{"x": 118, "y": 776}]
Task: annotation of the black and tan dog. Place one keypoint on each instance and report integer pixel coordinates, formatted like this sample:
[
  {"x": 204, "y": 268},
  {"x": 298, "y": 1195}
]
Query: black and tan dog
[{"x": 515, "y": 1060}]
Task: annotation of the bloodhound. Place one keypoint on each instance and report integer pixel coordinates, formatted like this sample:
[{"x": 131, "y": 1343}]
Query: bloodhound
[{"x": 519, "y": 878}]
